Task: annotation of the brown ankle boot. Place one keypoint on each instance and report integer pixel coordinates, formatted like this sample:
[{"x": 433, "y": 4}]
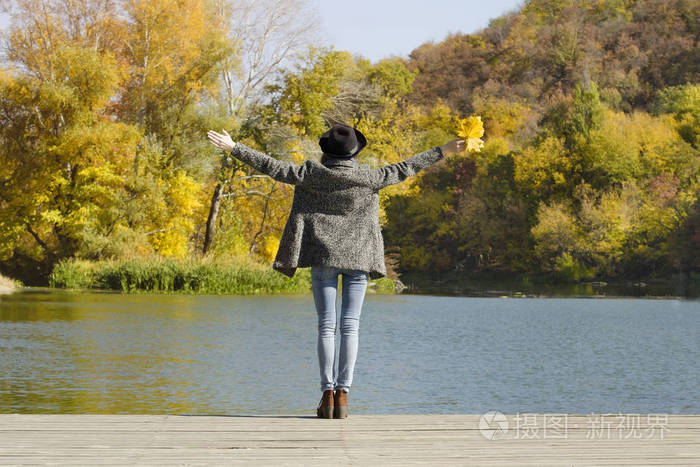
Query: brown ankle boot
[
  {"x": 325, "y": 407},
  {"x": 340, "y": 409}
]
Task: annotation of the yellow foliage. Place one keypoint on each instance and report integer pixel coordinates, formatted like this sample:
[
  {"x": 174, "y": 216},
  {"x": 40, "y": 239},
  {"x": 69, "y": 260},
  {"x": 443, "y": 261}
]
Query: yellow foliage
[
  {"x": 182, "y": 201},
  {"x": 545, "y": 167},
  {"x": 268, "y": 247},
  {"x": 296, "y": 152},
  {"x": 170, "y": 243},
  {"x": 555, "y": 231},
  {"x": 439, "y": 116},
  {"x": 503, "y": 116},
  {"x": 628, "y": 145},
  {"x": 391, "y": 135}
]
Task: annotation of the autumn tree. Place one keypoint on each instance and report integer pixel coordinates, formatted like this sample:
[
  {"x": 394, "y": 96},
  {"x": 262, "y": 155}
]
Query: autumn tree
[
  {"x": 100, "y": 110},
  {"x": 269, "y": 36}
]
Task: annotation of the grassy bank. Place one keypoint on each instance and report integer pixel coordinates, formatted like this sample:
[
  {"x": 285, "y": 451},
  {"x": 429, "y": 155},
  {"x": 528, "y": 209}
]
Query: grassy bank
[
  {"x": 7, "y": 285},
  {"x": 242, "y": 277}
]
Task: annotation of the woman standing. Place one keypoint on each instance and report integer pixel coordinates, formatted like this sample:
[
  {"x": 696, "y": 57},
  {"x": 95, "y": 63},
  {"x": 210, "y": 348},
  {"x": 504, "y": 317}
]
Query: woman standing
[{"x": 333, "y": 228}]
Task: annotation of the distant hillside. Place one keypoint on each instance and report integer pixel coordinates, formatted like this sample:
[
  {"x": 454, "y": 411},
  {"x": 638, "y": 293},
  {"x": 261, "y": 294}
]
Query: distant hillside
[
  {"x": 590, "y": 168},
  {"x": 630, "y": 48}
]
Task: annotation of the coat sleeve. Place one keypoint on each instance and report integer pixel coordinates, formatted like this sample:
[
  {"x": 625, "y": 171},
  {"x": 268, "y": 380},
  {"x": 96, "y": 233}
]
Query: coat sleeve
[
  {"x": 400, "y": 171},
  {"x": 281, "y": 171}
]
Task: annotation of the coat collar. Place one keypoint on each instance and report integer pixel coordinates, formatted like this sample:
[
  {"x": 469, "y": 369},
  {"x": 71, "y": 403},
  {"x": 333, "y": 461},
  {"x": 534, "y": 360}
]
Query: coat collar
[{"x": 335, "y": 162}]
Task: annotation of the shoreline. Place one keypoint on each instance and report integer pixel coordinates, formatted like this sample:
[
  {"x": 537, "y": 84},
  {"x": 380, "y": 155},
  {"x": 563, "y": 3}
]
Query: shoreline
[
  {"x": 244, "y": 277},
  {"x": 536, "y": 286},
  {"x": 370, "y": 291}
]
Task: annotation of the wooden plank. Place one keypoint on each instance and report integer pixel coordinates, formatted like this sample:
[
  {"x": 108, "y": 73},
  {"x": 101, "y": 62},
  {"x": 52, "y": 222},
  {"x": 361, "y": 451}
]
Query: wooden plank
[{"x": 432, "y": 439}]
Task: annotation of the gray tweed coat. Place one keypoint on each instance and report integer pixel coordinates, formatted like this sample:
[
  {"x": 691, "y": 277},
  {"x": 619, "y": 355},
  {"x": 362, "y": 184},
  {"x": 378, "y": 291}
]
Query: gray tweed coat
[{"x": 334, "y": 218}]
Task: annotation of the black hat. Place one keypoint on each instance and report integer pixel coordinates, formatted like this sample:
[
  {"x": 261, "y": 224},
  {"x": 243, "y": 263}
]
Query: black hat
[{"x": 342, "y": 141}]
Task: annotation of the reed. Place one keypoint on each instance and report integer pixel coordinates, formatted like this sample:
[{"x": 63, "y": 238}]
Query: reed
[
  {"x": 156, "y": 274},
  {"x": 198, "y": 276}
]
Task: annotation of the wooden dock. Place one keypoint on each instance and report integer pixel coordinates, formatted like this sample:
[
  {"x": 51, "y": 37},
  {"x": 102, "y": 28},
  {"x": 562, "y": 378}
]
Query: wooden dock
[{"x": 372, "y": 440}]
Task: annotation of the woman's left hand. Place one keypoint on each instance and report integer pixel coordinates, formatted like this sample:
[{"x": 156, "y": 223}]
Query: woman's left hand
[{"x": 221, "y": 141}]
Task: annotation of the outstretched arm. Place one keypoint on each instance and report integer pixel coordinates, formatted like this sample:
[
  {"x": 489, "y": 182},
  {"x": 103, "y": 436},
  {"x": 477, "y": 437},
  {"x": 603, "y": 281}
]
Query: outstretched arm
[
  {"x": 400, "y": 171},
  {"x": 281, "y": 171}
]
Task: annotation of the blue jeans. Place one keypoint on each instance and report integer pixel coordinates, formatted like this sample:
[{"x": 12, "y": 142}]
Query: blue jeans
[{"x": 324, "y": 283}]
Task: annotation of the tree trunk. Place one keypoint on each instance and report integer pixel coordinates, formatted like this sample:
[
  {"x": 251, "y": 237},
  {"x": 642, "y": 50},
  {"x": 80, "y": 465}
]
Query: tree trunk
[
  {"x": 262, "y": 223},
  {"x": 211, "y": 220}
]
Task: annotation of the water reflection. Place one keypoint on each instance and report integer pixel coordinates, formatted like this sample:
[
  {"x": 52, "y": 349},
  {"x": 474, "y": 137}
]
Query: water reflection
[
  {"x": 70, "y": 352},
  {"x": 448, "y": 285}
]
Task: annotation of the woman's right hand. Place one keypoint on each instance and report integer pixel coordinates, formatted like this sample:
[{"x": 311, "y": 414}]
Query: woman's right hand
[
  {"x": 456, "y": 145},
  {"x": 221, "y": 141}
]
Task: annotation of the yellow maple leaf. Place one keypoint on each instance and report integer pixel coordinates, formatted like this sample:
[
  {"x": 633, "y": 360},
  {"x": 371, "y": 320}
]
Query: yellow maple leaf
[{"x": 472, "y": 129}]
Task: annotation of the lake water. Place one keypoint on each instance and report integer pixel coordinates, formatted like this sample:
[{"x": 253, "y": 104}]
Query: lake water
[{"x": 72, "y": 352}]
